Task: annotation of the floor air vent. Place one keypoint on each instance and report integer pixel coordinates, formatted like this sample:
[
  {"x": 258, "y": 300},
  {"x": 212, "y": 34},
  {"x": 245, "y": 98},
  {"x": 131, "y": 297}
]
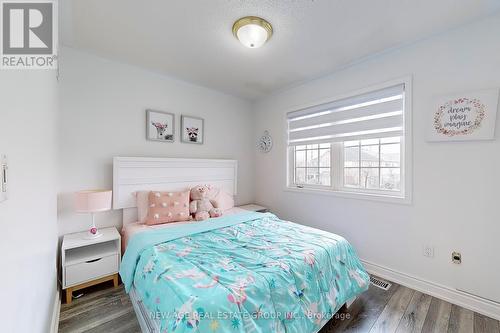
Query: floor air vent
[{"x": 380, "y": 283}]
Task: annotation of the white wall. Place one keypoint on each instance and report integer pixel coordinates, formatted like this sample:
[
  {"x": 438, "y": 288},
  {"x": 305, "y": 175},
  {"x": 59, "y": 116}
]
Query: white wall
[
  {"x": 455, "y": 197},
  {"x": 28, "y": 218},
  {"x": 103, "y": 107}
]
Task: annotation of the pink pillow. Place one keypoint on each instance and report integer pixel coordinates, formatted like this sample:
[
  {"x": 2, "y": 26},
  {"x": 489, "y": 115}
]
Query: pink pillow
[
  {"x": 165, "y": 207},
  {"x": 142, "y": 201},
  {"x": 222, "y": 200}
]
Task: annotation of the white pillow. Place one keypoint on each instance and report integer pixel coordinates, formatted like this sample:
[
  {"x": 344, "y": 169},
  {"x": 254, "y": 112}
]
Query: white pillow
[{"x": 221, "y": 199}]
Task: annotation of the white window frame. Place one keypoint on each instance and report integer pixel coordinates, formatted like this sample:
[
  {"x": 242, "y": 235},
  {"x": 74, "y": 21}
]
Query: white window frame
[
  {"x": 337, "y": 157},
  {"x": 293, "y": 167}
]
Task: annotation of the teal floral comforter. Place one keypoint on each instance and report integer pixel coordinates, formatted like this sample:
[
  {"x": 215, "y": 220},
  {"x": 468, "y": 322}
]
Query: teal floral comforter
[{"x": 250, "y": 272}]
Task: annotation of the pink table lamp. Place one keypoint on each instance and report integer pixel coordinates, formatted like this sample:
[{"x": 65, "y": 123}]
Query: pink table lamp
[{"x": 93, "y": 201}]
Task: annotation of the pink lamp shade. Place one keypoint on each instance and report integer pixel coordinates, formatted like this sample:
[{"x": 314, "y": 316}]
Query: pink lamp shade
[{"x": 92, "y": 201}]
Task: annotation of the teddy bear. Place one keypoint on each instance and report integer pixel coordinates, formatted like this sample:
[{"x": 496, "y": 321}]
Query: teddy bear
[{"x": 200, "y": 205}]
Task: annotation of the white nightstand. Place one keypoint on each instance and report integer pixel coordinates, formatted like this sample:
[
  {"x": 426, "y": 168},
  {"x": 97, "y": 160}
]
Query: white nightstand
[
  {"x": 86, "y": 262},
  {"x": 254, "y": 208}
]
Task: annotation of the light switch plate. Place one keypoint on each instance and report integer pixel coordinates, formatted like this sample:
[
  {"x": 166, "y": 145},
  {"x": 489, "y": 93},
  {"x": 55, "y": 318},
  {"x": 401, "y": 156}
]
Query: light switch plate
[
  {"x": 3, "y": 177},
  {"x": 428, "y": 251}
]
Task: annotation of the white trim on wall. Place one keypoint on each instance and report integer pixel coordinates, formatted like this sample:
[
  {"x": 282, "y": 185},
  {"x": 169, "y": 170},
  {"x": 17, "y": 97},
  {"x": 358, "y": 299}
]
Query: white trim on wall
[
  {"x": 454, "y": 296},
  {"x": 349, "y": 195},
  {"x": 56, "y": 309}
]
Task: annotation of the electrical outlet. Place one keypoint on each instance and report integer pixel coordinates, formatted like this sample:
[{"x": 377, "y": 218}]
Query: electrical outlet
[
  {"x": 456, "y": 258},
  {"x": 428, "y": 251}
]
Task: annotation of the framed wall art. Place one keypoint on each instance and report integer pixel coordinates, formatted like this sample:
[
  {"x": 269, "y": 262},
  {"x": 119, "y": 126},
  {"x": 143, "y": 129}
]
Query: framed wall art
[
  {"x": 464, "y": 117},
  {"x": 192, "y": 129},
  {"x": 160, "y": 126}
]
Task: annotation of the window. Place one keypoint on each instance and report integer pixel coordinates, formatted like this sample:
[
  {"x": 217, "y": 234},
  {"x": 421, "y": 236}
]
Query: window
[
  {"x": 353, "y": 145},
  {"x": 373, "y": 164},
  {"x": 312, "y": 165}
]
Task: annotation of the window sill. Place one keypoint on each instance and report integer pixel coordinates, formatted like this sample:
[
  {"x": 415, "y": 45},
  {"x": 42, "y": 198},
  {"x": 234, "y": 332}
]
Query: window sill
[{"x": 352, "y": 195}]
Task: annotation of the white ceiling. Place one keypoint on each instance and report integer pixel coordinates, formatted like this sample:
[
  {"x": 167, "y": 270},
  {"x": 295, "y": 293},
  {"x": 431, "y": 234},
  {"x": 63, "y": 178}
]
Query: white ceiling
[{"x": 192, "y": 39}]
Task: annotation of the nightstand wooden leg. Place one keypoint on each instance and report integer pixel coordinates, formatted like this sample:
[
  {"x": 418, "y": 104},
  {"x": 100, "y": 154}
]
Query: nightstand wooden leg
[
  {"x": 115, "y": 280},
  {"x": 69, "y": 295}
]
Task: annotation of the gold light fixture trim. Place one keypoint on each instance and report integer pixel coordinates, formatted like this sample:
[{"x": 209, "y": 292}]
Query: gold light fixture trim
[{"x": 252, "y": 20}]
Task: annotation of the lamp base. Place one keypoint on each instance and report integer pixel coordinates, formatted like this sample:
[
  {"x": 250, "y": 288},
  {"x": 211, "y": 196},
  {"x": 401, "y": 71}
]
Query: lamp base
[
  {"x": 93, "y": 232},
  {"x": 90, "y": 235}
]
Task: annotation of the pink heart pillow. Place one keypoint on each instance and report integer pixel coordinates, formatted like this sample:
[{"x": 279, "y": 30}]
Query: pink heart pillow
[{"x": 165, "y": 207}]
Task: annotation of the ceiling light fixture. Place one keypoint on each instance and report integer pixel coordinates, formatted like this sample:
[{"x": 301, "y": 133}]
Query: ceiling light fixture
[{"x": 252, "y": 31}]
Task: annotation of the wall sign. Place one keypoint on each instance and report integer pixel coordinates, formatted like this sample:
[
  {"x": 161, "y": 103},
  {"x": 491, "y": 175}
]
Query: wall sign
[{"x": 463, "y": 117}]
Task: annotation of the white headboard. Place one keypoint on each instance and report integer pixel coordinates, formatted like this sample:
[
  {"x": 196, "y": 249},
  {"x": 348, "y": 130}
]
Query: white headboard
[{"x": 132, "y": 174}]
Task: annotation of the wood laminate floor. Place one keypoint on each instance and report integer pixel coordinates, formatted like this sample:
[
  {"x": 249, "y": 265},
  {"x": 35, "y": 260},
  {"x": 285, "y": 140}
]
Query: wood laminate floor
[{"x": 399, "y": 309}]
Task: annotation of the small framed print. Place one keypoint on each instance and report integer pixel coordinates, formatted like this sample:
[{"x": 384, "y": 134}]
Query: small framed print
[
  {"x": 160, "y": 126},
  {"x": 192, "y": 130}
]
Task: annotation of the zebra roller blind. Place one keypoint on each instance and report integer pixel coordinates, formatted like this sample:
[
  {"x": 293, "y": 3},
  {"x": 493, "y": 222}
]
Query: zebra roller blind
[{"x": 376, "y": 114}]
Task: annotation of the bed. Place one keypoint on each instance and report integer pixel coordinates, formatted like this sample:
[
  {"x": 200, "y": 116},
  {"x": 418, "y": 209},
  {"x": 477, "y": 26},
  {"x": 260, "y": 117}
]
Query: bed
[{"x": 242, "y": 272}]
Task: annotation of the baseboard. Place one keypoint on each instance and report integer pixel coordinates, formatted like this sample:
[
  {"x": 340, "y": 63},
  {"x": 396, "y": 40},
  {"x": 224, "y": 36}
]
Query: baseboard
[
  {"x": 454, "y": 296},
  {"x": 56, "y": 309}
]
